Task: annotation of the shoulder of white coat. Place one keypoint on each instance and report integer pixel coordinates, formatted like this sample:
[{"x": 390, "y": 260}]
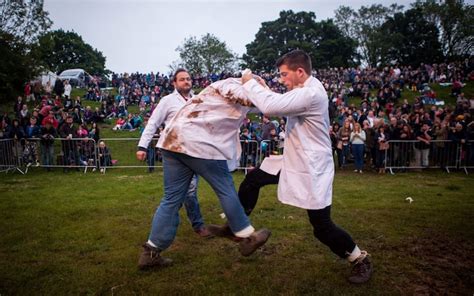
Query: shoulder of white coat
[{"x": 316, "y": 88}]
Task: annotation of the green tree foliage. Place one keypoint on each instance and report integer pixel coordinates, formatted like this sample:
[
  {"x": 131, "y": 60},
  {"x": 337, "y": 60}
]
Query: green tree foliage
[
  {"x": 205, "y": 55},
  {"x": 410, "y": 39},
  {"x": 60, "y": 50},
  {"x": 17, "y": 66},
  {"x": 24, "y": 19},
  {"x": 364, "y": 26},
  {"x": 21, "y": 22},
  {"x": 322, "y": 40},
  {"x": 455, "y": 21}
]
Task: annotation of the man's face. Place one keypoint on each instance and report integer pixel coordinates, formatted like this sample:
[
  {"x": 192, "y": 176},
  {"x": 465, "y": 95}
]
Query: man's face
[
  {"x": 289, "y": 78},
  {"x": 183, "y": 82}
]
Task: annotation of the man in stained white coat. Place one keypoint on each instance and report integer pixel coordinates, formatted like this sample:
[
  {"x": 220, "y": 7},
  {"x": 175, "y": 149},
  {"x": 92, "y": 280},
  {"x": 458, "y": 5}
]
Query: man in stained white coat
[
  {"x": 307, "y": 168},
  {"x": 199, "y": 139},
  {"x": 163, "y": 113}
]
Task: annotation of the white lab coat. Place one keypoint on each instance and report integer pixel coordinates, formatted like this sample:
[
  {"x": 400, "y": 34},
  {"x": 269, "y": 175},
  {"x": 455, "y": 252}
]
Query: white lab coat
[
  {"x": 206, "y": 126},
  {"x": 164, "y": 111},
  {"x": 307, "y": 171}
]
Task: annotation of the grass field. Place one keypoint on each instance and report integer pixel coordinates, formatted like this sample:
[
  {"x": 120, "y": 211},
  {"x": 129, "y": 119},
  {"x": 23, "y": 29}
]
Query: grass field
[{"x": 79, "y": 233}]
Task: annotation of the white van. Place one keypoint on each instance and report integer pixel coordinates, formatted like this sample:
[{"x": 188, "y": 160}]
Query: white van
[{"x": 76, "y": 77}]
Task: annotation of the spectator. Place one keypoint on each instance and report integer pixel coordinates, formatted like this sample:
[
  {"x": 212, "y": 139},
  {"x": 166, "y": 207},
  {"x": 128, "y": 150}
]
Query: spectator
[
  {"x": 69, "y": 146},
  {"x": 357, "y": 140},
  {"x": 344, "y": 137},
  {"x": 48, "y": 134},
  {"x": 422, "y": 147},
  {"x": 105, "y": 159},
  {"x": 58, "y": 87},
  {"x": 382, "y": 145}
]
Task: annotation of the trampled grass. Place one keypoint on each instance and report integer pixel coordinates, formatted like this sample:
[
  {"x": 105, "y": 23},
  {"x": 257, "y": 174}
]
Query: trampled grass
[{"x": 81, "y": 234}]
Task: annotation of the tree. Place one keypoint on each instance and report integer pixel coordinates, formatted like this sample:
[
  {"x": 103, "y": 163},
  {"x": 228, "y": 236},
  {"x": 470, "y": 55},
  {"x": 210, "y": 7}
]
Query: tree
[
  {"x": 455, "y": 21},
  {"x": 206, "y": 55},
  {"x": 60, "y": 50},
  {"x": 21, "y": 22},
  {"x": 364, "y": 26},
  {"x": 24, "y": 19},
  {"x": 411, "y": 39},
  {"x": 323, "y": 41}
]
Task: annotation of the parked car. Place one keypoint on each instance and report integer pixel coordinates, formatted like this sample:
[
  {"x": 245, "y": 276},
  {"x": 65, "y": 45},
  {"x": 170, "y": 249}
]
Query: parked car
[{"x": 76, "y": 77}]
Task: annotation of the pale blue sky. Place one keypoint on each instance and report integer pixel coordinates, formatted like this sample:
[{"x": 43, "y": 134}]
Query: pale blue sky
[{"x": 143, "y": 35}]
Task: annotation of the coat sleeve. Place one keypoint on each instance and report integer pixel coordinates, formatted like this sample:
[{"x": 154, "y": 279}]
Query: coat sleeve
[
  {"x": 293, "y": 103},
  {"x": 157, "y": 118}
]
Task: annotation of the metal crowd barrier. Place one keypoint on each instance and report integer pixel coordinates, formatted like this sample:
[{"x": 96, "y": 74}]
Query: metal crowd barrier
[
  {"x": 443, "y": 154},
  {"x": 270, "y": 147},
  {"x": 9, "y": 151},
  {"x": 250, "y": 156},
  {"x": 84, "y": 154},
  {"x": 467, "y": 156},
  {"x": 121, "y": 154}
]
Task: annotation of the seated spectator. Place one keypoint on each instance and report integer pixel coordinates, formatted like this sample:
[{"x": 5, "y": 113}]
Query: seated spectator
[{"x": 119, "y": 123}]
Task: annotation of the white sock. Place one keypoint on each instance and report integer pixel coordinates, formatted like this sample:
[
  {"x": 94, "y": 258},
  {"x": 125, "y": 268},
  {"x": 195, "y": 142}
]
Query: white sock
[
  {"x": 354, "y": 255},
  {"x": 246, "y": 232},
  {"x": 150, "y": 243}
]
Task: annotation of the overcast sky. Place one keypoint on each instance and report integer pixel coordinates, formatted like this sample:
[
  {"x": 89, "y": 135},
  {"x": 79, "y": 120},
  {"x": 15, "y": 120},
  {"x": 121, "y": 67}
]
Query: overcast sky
[{"x": 143, "y": 35}]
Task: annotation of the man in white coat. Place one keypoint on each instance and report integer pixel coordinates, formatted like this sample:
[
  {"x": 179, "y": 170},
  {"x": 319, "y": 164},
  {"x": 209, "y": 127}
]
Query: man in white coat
[
  {"x": 307, "y": 168},
  {"x": 199, "y": 139},
  {"x": 166, "y": 109}
]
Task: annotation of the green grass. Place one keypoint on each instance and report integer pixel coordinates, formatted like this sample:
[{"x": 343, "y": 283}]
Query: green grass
[{"x": 81, "y": 234}]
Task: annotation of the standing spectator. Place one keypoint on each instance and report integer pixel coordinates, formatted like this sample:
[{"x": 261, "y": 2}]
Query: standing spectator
[
  {"x": 338, "y": 143},
  {"x": 267, "y": 126},
  {"x": 358, "y": 147},
  {"x": 440, "y": 135},
  {"x": 381, "y": 146},
  {"x": 422, "y": 147},
  {"x": 58, "y": 87},
  {"x": 70, "y": 151},
  {"x": 28, "y": 94},
  {"x": 48, "y": 88},
  {"x": 18, "y": 106},
  {"x": 94, "y": 132},
  {"x": 369, "y": 143},
  {"x": 48, "y": 134},
  {"x": 24, "y": 115},
  {"x": 344, "y": 137},
  {"x": 105, "y": 159},
  {"x": 405, "y": 151},
  {"x": 67, "y": 89}
]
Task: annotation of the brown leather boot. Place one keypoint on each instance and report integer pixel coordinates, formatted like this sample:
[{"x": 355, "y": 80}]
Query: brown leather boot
[
  {"x": 257, "y": 239},
  {"x": 150, "y": 258}
]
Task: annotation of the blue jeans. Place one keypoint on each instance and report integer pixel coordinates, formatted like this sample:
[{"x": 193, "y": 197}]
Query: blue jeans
[
  {"x": 346, "y": 150},
  {"x": 191, "y": 205},
  {"x": 358, "y": 151},
  {"x": 178, "y": 171}
]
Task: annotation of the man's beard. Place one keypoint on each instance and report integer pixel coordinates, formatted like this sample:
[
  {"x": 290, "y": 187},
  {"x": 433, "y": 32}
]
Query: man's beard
[{"x": 184, "y": 91}]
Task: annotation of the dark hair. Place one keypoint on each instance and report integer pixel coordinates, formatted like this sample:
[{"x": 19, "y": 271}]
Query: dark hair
[
  {"x": 179, "y": 70},
  {"x": 296, "y": 59}
]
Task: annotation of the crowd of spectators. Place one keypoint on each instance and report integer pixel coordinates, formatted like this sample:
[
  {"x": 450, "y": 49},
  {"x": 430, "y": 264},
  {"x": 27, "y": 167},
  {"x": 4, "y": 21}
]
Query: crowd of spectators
[{"x": 359, "y": 131}]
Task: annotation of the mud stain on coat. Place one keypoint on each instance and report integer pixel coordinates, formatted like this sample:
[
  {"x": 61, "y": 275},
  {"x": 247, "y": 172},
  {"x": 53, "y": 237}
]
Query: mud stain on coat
[{"x": 171, "y": 142}]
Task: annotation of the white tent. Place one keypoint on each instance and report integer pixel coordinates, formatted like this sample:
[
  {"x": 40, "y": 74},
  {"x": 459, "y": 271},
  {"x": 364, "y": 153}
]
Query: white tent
[{"x": 47, "y": 76}]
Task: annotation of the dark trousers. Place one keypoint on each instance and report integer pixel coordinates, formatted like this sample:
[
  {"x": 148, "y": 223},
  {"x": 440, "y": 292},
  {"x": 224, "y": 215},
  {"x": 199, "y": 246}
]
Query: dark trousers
[{"x": 338, "y": 240}]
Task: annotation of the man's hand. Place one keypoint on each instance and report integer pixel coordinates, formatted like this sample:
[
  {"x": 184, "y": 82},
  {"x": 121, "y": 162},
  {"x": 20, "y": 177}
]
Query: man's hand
[
  {"x": 246, "y": 76},
  {"x": 141, "y": 155}
]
